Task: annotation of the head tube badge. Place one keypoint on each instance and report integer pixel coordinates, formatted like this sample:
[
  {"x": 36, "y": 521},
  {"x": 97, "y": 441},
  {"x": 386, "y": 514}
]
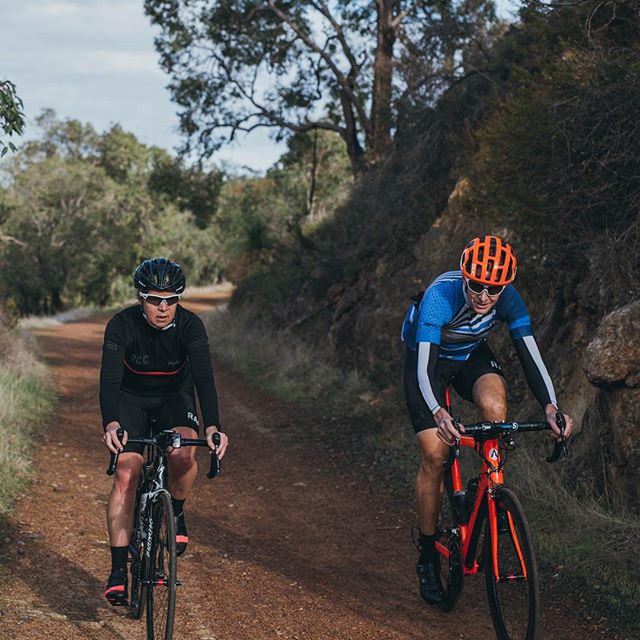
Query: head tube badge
[{"x": 493, "y": 453}]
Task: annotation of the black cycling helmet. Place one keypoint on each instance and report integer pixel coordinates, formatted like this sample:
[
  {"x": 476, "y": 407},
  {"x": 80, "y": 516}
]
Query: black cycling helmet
[{"x": 159, "y": 274}]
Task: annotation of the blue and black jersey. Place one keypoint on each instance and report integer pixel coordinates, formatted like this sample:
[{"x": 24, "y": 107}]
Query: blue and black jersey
[{"x": 445, "y": 327}]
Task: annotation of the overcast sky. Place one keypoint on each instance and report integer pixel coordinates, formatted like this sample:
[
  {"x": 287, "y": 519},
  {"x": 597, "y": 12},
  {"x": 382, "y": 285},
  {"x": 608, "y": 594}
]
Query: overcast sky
[{"x": 94, "y": 60}]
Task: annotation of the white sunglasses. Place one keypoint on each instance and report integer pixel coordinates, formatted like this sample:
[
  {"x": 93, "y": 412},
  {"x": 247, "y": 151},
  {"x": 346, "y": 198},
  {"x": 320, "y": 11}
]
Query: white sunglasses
[{"x": 156, "y": 301}]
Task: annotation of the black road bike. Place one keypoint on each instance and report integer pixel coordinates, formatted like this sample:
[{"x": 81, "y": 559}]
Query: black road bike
[{"x": 152, "y": 545}]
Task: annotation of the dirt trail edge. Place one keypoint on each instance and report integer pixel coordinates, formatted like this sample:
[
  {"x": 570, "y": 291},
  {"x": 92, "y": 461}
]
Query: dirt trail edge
[{"x": 283, "y": 545}]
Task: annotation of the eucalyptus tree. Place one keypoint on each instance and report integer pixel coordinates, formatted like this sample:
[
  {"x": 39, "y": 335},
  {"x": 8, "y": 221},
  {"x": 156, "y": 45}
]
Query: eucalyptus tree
[
  {"x": 296, "y": 66},
  {"x": 11, "y": 114}
]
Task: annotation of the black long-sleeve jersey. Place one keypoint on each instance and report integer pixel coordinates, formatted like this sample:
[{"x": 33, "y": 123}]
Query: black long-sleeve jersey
[{"x": 144, "y": 361}]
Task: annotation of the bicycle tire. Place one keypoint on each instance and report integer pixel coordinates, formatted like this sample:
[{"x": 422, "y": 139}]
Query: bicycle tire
[
  {"x": 514, "y": 600},
  {"x": 451, "y": 575},
  {"x": 137, "y": 568},
  {"x": 161, "y": 571}
]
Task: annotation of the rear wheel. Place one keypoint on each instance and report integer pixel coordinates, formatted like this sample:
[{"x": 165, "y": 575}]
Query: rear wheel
[
  {"x": 513, "y": 594},
  {"x": 161, "y": 571}
]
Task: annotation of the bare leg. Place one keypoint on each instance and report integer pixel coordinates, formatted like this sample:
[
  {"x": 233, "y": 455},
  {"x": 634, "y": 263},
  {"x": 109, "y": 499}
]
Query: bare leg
[
  {"x": 490, "y": 396},
  {"x": 433, "y": 453},
  {"x": 183, "y": 467},
  {"x": 122, "y": 498}
]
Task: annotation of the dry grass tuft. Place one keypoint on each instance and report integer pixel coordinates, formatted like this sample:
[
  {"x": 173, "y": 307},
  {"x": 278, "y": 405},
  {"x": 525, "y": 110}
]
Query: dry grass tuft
[{"x": 26, "y": 399}]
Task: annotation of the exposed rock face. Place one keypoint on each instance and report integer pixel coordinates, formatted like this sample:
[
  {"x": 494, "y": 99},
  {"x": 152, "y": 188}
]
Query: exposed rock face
[
  {"x": 612, "y": 426},
  {"x": 613, "y": 356}
]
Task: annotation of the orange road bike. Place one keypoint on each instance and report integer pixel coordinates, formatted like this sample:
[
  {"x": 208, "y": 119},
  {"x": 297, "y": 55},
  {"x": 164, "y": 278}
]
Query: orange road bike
[
  {"x": 505, "y": 552},
  {"x": 152, "y": 546}
]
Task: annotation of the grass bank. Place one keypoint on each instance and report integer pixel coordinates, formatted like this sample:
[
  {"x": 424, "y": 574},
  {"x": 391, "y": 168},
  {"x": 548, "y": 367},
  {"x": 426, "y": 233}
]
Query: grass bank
[
  {"x": 26, "y": 402},
  {"x": 582, "y": 547}
]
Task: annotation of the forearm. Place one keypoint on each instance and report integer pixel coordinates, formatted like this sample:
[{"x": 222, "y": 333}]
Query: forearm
[
  {"x": 535, "y": 371},
  {"x": 427, "y": 365},
  {"x": 203, "y": 378},
  {"x": 110, "y": 381}
]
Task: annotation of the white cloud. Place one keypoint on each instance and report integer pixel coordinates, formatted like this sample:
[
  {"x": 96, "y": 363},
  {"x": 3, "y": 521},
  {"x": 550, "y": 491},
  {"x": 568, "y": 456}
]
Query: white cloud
[
  {"x": 94, "y": 60},
  {"x": 120, "y": 62}
]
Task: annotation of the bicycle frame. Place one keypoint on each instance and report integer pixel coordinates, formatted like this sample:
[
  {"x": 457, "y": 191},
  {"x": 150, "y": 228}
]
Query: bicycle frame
[{"x": 490, "y": 477}]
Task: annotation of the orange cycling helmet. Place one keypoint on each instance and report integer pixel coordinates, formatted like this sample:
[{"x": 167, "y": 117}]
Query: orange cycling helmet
[{"x": 489, "y": 260}]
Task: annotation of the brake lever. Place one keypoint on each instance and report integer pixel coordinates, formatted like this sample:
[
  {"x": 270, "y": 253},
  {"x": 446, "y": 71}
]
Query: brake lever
[
  {"x": 560, "y": 449},
  {"x": 216, "y": 466},
  {"x": 114, "y": 456}
]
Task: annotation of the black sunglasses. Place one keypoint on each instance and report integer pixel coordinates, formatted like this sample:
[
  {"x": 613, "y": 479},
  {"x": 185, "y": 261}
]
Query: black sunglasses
[
  {"x": 492, "y": 289},
  {"x": 156, "y": 301}
]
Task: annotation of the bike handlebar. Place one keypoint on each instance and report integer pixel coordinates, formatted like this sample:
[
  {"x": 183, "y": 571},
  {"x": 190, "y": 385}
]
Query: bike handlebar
[
  {"x": 491, "y": 429},
  {"x": 171, "y": 439}
]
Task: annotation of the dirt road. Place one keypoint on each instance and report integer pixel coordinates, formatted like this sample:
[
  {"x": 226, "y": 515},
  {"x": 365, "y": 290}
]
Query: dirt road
[{"x": 283, "y": 545}]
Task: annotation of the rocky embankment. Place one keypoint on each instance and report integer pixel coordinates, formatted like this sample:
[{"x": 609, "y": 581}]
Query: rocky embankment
[{"x": 611, "y": 363}]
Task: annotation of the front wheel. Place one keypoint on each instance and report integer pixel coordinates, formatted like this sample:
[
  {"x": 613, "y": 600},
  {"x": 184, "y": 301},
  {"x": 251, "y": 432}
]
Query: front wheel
[
  {"x": 448, "y": 547},
  {"x": 513, "y": 590},
  {"x": 161, "y": 571}
]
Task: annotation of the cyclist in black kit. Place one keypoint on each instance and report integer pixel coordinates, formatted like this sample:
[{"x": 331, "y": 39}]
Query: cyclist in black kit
[{"x": 154, "y": 353}]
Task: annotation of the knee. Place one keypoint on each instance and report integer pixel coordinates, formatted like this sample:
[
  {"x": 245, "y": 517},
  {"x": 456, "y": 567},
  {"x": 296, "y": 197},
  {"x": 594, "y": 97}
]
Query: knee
[
  {"x": 181, "y": 461},
  {"x": 126, "y": 479},
  {"x": 432, "y": 464},
  {"x": 493, "y": 407}
]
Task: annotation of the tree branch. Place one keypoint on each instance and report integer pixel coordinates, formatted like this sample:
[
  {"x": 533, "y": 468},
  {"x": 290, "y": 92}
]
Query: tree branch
[{"x": 347, "y": 89}]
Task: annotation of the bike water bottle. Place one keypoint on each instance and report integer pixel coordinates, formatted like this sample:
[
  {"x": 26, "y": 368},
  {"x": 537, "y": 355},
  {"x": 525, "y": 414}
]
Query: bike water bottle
[{"x": 460, "y": 515}]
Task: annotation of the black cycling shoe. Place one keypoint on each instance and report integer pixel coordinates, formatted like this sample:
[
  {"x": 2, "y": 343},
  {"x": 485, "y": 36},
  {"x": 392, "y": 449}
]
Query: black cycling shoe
[
  {"x": 430, "y": 585},
  {"x": 182, "y": 537},
  {"x": 116, "y": 591}
]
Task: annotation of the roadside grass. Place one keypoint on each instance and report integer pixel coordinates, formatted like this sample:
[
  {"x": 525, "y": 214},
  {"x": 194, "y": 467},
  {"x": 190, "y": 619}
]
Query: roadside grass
[
  {"x": 26, "y": 402},
  {"x": 583, "y": 549},
  {"x": 289, "y": 368}
]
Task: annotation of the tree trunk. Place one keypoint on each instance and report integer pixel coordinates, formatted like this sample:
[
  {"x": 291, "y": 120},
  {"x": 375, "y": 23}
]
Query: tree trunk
[
  {"x": 382, "y": 79},
  {"x": 350, "y": 136}
]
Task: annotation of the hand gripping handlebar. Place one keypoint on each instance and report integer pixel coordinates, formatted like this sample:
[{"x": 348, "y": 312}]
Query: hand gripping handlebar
[
  {"x": 483, "y": 430},
  {"x": 114, "y": 456},
  {"x": 560, "y": 448},
  {"x": 214, "y": 469}
]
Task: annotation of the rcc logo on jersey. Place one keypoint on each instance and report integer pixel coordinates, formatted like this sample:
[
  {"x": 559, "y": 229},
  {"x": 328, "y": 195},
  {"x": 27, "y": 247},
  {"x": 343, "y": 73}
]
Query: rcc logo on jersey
[{"x": 193, "y": 418}]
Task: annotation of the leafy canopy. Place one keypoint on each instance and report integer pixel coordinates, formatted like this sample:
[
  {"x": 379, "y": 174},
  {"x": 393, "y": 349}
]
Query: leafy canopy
[
  {"x": 11, "y": 115},
  {"x": 339, "y": 65}
]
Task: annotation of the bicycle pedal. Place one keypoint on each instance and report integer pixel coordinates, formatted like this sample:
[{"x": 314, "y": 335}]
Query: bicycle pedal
[{"x": 118, "y": 602}]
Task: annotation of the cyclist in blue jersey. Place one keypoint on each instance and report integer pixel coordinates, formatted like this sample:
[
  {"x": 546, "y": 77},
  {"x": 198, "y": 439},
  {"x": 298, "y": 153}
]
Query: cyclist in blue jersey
[{"x": 445, "y": 343}]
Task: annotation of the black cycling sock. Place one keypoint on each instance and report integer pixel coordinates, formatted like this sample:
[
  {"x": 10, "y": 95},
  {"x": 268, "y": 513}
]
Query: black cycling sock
[
  {"x": 178, "y": 506},
  {"x": 427, "y": 547},
  {"x": 119, "y": 558}
]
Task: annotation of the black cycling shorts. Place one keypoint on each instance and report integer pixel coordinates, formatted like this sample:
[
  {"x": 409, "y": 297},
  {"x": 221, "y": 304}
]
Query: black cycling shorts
[
  {"x": 460, "y": 374},
  {"x": 142, "y": 416}
]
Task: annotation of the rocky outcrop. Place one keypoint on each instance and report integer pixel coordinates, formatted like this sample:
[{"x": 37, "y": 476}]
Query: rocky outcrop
[
  {"x": 613, "y": 356},
  {"x": 611, "y": 429}
]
